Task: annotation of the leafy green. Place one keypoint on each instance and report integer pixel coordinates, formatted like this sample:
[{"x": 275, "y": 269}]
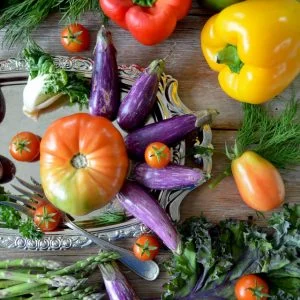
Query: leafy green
[
  {"x": 56, "y": 80},
  {"x": 226, "y": 251},
  {"x": 11, "y": 218}
]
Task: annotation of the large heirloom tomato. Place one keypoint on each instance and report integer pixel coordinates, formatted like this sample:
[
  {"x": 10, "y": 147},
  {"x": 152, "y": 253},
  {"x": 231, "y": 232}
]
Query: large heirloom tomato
[{"x": 83, "y": 163}]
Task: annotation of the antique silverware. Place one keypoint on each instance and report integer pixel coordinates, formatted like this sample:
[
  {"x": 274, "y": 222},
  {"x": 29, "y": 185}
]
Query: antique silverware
[{"x": 148, "y": 270}]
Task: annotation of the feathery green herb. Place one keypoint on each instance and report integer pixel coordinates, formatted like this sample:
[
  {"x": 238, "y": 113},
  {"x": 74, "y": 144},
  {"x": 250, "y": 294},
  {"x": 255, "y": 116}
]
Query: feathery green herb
[
  {"x": 21, "y": 17},
  {"x": 276, "y": 138}
]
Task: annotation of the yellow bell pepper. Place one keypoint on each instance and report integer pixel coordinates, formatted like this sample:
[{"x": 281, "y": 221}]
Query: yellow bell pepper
[{"x": 255, "y": 47}]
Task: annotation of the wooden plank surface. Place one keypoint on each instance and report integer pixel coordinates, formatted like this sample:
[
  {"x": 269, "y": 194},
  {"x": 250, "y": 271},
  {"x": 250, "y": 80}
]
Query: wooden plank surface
[{"x": 198, "y": 89}]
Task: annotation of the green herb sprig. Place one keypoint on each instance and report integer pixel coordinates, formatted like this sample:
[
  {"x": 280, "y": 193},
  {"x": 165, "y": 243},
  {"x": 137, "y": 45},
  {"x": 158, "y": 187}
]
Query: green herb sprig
[
  {"x": 11, "y": 218},
  {"x": 276, "y": 138},
  {"x": 21, "y": 17}
]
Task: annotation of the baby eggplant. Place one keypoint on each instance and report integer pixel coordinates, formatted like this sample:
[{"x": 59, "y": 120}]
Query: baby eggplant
[
  {"x": 138, "y": 103},
  {"x": 105, "y": 91},
  {"x": 167, "y": 131}
]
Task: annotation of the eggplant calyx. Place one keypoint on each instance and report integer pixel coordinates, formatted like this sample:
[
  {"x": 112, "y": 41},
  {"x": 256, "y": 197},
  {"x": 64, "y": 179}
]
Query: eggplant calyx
[
  {"x": 144, "y": 3},
  {"x": 104, "y": 37},
  {"x": 156, "y": 67},
  {"x": 205, "y": 116}
]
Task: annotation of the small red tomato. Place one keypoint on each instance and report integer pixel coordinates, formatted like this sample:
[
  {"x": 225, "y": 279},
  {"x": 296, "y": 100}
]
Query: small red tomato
[
  {"x": 75, "y": 38},
  {"x": 258, "y": 181},
  {"x": 25, "y": 146},
  {"x": 47, "y": 217},
  {"x": 157, "y": 155},
  {"x": 146, "y": 247},
  {"x": 251, "y": 287}
]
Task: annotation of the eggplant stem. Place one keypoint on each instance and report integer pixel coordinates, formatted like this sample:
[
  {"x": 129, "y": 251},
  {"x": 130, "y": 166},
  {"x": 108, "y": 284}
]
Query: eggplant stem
[{"x": 220, "y": 177}]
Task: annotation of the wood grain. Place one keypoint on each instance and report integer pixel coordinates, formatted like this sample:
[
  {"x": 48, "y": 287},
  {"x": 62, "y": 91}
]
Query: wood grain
[{"x": 198, "y": 89}]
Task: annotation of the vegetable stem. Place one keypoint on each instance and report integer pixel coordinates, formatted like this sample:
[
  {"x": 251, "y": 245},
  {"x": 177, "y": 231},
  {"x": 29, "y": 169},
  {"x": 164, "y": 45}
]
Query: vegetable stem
[{"x": 220, "y": 177}]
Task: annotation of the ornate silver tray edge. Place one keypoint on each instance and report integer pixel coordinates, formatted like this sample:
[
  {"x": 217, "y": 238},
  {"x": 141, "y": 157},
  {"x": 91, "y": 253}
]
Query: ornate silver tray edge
[{"x": 13, "y": 71}]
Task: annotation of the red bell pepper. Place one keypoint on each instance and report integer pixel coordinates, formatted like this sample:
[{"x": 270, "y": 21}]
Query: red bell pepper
[{"x": 149, "y": 21}]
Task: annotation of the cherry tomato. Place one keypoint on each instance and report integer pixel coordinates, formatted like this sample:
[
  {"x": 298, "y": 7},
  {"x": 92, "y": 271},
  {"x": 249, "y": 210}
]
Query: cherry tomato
[
  {"x": 251, "y": 287},
  {"x": 157, "y": 155},
  {"x": 258, "y": 181},
  {"x": 75, "y": 38},
  {"x": 146, "y": 247},
  {"x": 47, "y": 217},
  {"x": 25, "y": 146}
]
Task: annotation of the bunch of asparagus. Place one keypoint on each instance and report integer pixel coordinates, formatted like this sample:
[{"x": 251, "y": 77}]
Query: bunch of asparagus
[{"x": 42, "y": 279}]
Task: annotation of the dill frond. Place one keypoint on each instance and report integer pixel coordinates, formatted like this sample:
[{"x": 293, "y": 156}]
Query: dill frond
[
  {"x": 74, "y": 8},
  {"x": 20, "y": 18},
  {"x": 276, "y": 138}
]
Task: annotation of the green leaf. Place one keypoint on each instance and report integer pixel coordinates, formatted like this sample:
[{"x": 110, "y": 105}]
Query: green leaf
[{"x": 29, "y": 230}]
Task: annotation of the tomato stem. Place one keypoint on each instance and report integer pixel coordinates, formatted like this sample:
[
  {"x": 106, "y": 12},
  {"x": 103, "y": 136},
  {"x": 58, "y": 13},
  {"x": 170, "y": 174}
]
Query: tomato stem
[
  {"x": 220, "y": 177},
  {"x": 79, "y": 161}
]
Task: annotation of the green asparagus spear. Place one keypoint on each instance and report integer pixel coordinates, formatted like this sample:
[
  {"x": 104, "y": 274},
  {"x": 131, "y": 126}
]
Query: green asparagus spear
[
  {"x": 31, "y": 263},
  {"x": 82, "y": 264},
  {"x": 35, "y": 282},
  {"x": 56, "y": 281},
  {"x": 7, "y": 283}
]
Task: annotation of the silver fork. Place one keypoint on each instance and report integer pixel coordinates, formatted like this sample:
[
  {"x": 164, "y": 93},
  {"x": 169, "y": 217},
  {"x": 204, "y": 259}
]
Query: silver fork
[{"x": 148, "y": 270}]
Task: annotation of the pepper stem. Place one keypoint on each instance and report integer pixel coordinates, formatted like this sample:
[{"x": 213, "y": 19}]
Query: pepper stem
[
  {"x": 144, "y": 3},
  {"x": 229, "y": 56}
]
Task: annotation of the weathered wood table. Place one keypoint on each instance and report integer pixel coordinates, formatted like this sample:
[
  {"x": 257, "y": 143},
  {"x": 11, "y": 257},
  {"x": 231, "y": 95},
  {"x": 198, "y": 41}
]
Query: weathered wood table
[{"x": 198, "y": 89}]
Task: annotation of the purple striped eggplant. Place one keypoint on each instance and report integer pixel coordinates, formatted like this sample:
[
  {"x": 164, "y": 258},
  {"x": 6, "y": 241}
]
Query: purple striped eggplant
[
  {"x": 138, "y": 103},
  {"x": 145, "y": 208},
  {"x": 105, "y": 90},
  {"x": 116, "y": 284},
  {"x": 169, "y": 131},
  {"x": 169, "y": 178}
]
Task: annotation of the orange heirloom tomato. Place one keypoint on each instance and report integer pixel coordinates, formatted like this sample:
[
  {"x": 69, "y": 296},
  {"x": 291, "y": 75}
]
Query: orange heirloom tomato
[
  {"x": 258, "y": 181},
  {"x": 83, "y": 163}
]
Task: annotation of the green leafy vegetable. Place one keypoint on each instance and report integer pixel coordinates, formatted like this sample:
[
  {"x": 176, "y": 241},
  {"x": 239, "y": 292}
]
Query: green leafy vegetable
[
  {"x": 216, "y": 255},
  {"x": 21, "y": 17},
  {"x": 11, "y": 218}
]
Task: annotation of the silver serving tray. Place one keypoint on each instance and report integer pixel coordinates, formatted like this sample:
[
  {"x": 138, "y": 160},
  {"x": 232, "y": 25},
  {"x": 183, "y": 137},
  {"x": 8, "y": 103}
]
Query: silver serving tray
[{"x": 13, "y": 77}]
